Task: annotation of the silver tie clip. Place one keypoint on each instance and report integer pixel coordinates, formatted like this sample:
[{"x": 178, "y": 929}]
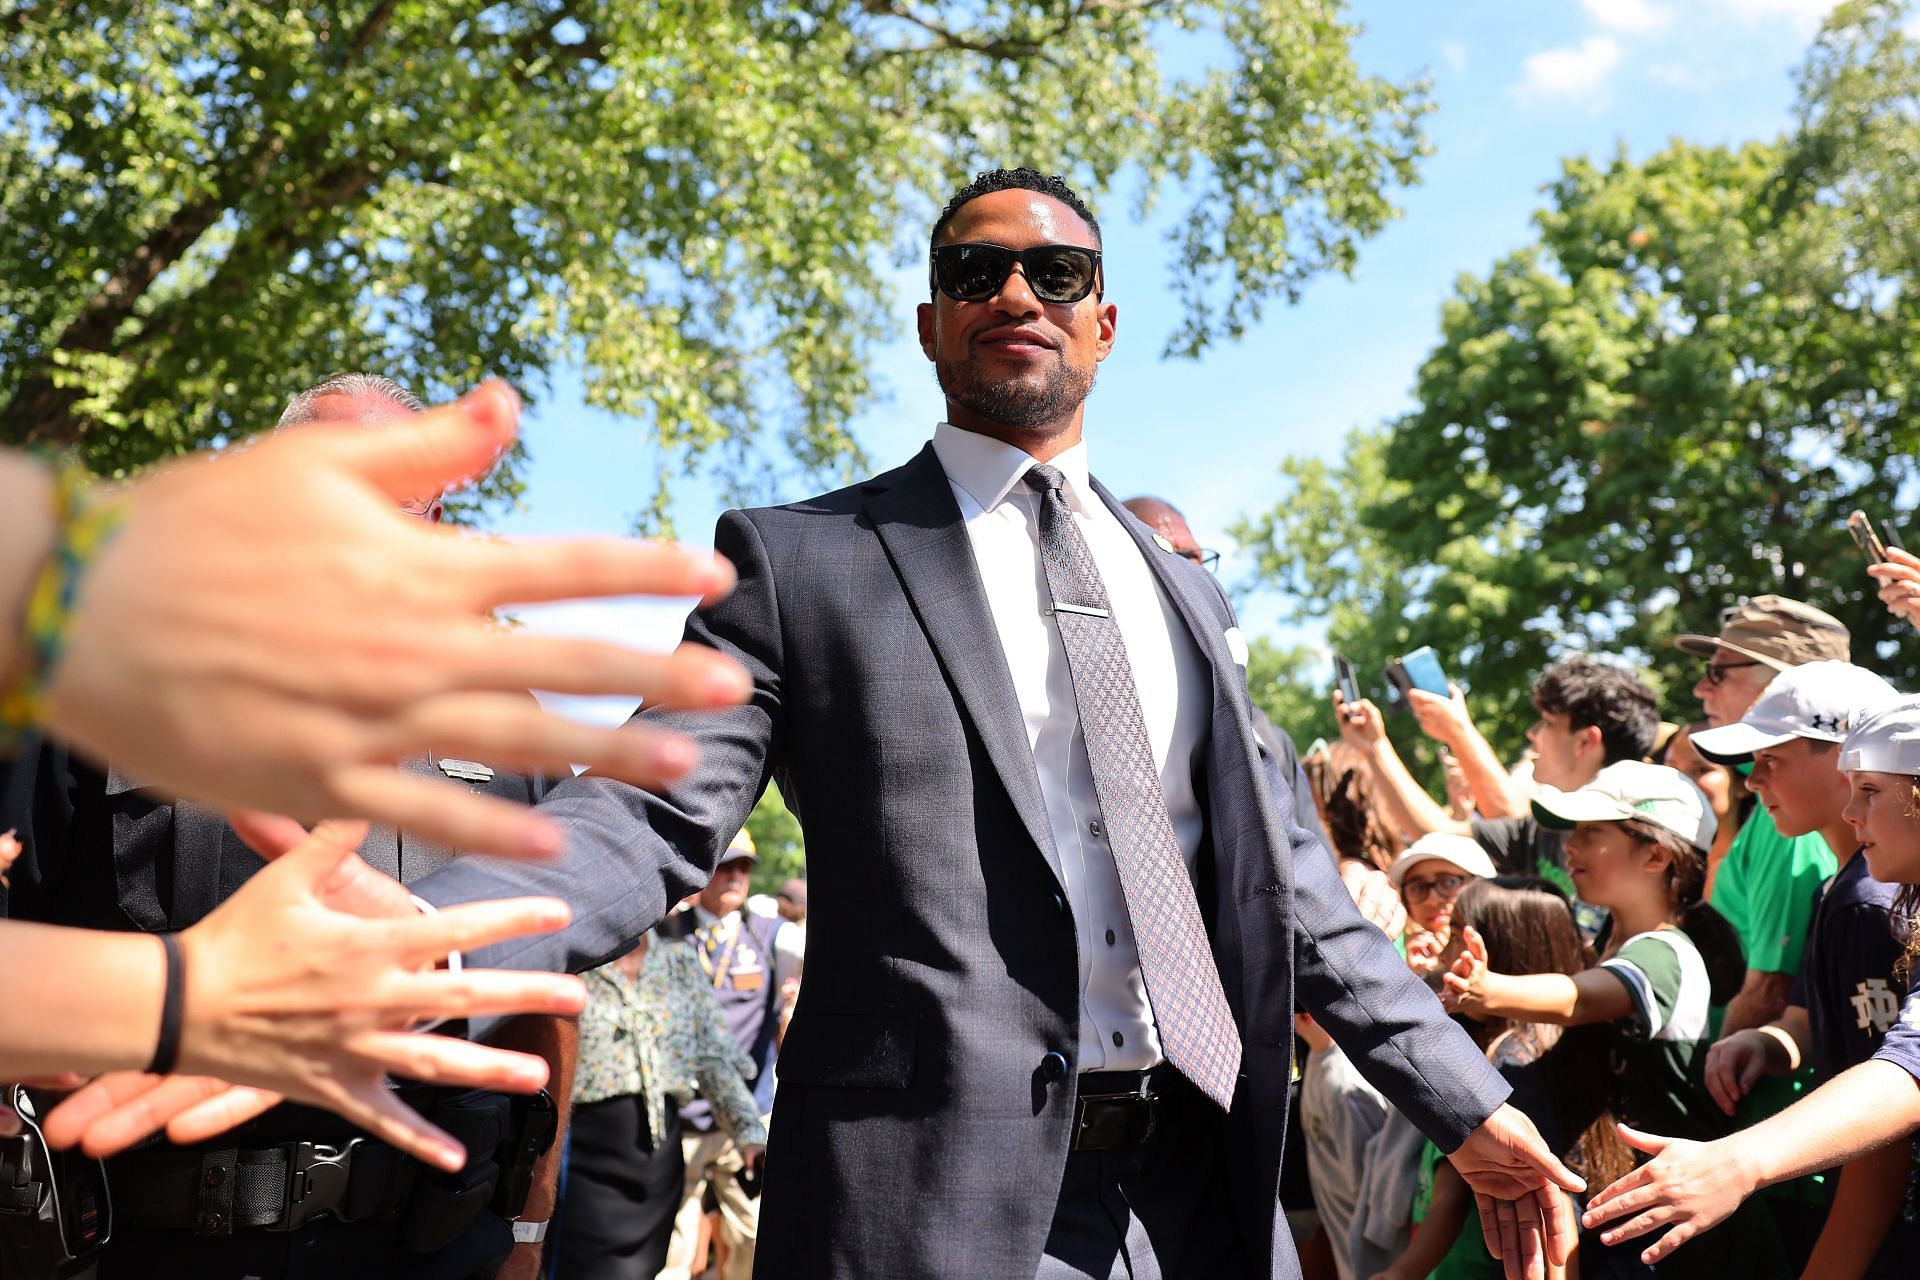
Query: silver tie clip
[{"x": 1080, "y": 608}]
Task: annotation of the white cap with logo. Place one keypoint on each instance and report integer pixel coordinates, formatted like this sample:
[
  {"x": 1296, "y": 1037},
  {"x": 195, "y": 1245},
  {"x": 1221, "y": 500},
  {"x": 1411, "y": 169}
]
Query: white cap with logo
[
  {"x": 1632, "y": 789},
  {"x": 1818, "y": 700},
  {"x": 1885, "y": 740}
]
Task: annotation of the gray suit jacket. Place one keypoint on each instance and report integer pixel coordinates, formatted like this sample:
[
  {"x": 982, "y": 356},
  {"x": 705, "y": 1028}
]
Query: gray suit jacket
[{"x": 919, "y": 1131}]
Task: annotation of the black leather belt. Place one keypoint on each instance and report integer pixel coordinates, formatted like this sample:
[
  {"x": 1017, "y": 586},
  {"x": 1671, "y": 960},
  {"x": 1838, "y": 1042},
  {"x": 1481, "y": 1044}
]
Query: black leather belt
[{"x": 1119, "y": 1110}]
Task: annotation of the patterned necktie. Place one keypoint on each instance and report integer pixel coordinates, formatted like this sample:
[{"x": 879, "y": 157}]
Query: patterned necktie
[{"x": 1183, "y": 987}]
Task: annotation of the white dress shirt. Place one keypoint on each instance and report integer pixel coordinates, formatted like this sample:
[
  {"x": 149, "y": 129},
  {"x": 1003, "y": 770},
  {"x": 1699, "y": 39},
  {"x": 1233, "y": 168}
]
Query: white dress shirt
[{"x": 1002, "y": 518}]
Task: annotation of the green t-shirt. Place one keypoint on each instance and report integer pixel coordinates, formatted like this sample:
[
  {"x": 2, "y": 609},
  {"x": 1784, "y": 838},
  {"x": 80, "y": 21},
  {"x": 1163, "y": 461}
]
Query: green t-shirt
[
  {"x": 1468, "y": 1259},
  {"x": 1660, "y": 1048},
  {"x": 1766, "y": 889}
]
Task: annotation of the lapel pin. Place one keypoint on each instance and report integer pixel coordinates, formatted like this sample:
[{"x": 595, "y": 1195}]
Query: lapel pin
[{"x": 1160, "y": 540}]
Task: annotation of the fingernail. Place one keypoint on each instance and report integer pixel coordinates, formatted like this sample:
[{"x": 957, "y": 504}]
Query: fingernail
[
  {"x": 674, "y": 756},
  {"x": 542, "y": 839}
]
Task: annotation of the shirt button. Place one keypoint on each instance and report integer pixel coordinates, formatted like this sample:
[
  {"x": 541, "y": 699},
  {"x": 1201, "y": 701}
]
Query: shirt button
[
  {"x": 1118, "y": 1039},
  {"x": 1110, "y": 937},
  {"x": 1053, "y": 1067},
  {"x": 1094, "y": 828},
  {"x": 1059, "y": 904}
]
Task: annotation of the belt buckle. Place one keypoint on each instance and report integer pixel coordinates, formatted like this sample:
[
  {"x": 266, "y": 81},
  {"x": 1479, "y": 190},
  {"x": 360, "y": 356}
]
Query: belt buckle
[
  {"x": 317, "y": 1182},
  {"x": 1143, "y": 1097}
]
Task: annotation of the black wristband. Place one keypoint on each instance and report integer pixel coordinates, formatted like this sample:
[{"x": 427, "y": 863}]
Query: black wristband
[{"x": 167, "y": 1052}]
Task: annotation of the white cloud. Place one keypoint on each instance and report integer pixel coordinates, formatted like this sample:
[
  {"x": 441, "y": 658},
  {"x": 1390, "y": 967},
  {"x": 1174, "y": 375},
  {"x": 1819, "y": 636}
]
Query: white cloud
[
  {"x": 1571, "y": 71},
  {"x": 1454, "y": 54},
  {"x": 1629, "y": 17},
  {"x": 1675, "y": 75},
  {"x": 1803, "y": 15}
]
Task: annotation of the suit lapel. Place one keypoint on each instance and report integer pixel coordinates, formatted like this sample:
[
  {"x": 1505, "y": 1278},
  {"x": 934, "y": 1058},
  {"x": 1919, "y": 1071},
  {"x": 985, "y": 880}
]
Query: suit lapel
[{"x": 919, "y": 523}]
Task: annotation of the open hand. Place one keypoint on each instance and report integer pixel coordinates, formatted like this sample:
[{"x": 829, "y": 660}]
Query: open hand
[
  {"x": 288, "y": 995},
  {"x": 268, "y": 630},
  {"x": 1688, "y": 1187},
  {"x": 1461, "y": 990},
  {"x": 1519, "y": 1186}
]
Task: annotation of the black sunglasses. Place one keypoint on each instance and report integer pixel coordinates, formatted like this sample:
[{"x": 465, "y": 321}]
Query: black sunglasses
[
  {"x": 1717, "y": 674},
  {"x": 1059, "y": 273}
]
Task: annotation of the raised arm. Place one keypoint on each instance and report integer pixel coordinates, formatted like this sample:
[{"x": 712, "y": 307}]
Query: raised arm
[
  {"x": 1408, "y": 805},
  {"x": 1446, "y": 721}
]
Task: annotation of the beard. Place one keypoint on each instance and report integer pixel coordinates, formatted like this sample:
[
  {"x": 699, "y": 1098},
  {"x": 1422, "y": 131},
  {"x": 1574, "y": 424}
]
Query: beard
[{"x": 1046, "y": 395}]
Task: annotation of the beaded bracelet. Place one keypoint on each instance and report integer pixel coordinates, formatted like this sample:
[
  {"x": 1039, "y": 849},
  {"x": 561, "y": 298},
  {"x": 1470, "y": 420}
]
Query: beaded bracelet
[{"x": 84, "y": 521}]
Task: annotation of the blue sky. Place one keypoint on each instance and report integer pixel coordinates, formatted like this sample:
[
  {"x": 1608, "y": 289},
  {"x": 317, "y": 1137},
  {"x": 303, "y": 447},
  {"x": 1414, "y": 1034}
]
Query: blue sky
[{"x": 1517, "y": 86}]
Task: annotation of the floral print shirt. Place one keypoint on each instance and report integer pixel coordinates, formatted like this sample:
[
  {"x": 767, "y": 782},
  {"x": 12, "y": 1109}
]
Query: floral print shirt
[{"x": 661, "y": 1036}]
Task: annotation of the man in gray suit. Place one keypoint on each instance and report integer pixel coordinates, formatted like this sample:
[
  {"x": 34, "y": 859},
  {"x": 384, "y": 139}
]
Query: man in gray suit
[{"x": 1064, "y": 920}]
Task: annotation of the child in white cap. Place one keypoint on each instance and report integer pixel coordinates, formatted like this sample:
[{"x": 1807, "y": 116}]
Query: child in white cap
[
  {"x": 1640, "y": 836},
  {"x": 1690, "y": 1186},
  {"x": 1847, "y": 995}
]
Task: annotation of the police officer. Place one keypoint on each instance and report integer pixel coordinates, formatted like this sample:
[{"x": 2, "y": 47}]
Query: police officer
[
  {"x": 749, "y": 959},
  {"x": 298, "y": 1192}
]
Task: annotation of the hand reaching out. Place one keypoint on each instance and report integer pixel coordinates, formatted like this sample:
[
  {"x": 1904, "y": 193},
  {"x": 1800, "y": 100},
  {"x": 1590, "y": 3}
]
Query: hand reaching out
[
  {"x": 268, "y": 630},
  {"x": 1688, "y": 1187},
  {"x": 1520, "y": 1189},
  {"x": 289, "y": 995},
  {"x": 1463, "y": 988}
]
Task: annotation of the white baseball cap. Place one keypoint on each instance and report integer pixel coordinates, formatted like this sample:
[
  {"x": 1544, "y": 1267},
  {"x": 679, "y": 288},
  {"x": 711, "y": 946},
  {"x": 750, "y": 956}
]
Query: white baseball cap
[
  {"x": 1817, "y": 700},
  {"x": 1463, "y": 852},
  {"x": 1665, "y": 797},
  {"x": 1885, "y": 740}
]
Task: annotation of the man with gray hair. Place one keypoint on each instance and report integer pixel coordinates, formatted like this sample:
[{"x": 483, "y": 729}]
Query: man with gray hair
[{"x": 363, "y": 399}]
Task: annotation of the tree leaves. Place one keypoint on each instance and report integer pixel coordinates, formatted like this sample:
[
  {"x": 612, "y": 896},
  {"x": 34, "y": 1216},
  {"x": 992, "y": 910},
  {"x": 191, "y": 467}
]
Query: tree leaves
[
  {"x": 1671, "y": 400},
  {"x": 214, "y": 205}
]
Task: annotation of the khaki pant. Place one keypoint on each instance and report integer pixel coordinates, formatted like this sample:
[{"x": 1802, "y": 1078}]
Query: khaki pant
[{"x": 712, "y": 1157}]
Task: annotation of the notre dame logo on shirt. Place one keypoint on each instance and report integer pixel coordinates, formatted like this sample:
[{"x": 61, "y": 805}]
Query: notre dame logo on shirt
[{"x": 1874, "y": 1005}]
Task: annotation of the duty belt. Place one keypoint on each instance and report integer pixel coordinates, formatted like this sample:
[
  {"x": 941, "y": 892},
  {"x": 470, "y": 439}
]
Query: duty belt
[{"x": 214, "y": 1192}]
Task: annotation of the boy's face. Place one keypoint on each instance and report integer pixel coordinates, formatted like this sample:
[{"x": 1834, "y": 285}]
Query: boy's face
[{"x": 1799, "y": 785}]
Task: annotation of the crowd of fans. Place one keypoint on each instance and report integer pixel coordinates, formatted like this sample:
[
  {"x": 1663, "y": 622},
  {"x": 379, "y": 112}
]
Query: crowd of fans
[{"x": 1662, "y": 931}]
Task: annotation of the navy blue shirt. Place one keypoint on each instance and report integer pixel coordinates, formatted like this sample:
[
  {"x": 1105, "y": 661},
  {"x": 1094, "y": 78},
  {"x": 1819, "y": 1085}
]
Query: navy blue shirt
[
  {"x": 1846, "y": 983},
  {"x": 1853, "y": 1007}
]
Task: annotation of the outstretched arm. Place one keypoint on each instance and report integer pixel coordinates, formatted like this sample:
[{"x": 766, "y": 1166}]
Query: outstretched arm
[
  {"x": 630, "y": 854},
  {"x": 1446, "y": 721},
  {"x": 1693, "y": 1186}
]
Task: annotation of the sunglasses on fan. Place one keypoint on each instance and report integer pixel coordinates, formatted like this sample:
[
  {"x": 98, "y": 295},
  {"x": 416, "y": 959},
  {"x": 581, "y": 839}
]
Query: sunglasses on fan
[{"x": 1058, "y": 273}]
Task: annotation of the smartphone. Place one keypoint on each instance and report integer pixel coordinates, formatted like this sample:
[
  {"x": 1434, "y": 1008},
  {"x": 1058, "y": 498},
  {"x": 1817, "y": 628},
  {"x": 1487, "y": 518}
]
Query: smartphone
[
  {"x": 1865, "y": 538},
  {"x": 1344, "y": 677},
  {"x": 1425, "y": 672}
]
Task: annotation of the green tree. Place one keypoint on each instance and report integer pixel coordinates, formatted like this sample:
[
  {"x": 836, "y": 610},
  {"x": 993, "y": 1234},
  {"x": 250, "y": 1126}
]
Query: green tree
[
  {"x": 211, "y": 203},
  {"x": 1671, "y": 400},
  {"x": 777, "y": 837}
]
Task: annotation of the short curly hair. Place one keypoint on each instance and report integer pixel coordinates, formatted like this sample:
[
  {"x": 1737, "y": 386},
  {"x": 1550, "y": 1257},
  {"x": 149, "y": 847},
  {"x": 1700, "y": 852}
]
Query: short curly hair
[
  {"x": 1051, "y": 185},
  {"x": 1608, "y": 698}
]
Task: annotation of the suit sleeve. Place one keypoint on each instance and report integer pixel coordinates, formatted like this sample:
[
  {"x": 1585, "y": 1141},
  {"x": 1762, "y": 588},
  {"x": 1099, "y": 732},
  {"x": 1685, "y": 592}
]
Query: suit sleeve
[
  {"x": 630, "y": 854},
  {"x": 1349, "y": 977}
]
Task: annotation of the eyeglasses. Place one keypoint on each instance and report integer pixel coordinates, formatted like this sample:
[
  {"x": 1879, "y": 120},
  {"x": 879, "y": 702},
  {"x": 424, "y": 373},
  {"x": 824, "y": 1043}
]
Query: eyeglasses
[
  {"x": 1717, "y": 672},
  {"x": 973, "y": 272},
  {"x": 1206, "y": 557},
  {"x": 1445, "y": 886}
]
